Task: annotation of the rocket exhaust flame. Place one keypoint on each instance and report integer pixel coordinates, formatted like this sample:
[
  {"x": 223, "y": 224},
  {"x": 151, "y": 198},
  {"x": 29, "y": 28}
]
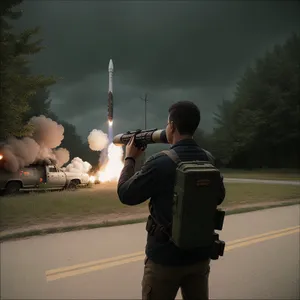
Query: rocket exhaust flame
[
  {"x": 111, "y": 157},
  {"x": 92, "y": 179},
  {"x": 112, "y": 169}
]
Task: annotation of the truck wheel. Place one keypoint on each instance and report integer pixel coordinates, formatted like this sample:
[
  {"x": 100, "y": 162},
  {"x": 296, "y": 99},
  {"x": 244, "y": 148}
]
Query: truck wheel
[
  {"x": 12, "y": 188},
  {"x": 72, "y": 185}
]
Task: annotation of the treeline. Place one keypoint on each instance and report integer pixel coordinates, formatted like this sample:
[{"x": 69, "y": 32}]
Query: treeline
[
  {"x": 260, "y": 126},
  {"x": 24, "y": 95}
]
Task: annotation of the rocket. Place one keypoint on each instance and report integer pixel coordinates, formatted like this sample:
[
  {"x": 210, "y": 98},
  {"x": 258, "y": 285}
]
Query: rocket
[{"x": 110, "y": 93}]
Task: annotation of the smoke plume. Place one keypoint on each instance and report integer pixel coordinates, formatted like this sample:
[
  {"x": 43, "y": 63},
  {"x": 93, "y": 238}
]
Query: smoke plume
[
  {"x": 98, "y": 140},
  {"x": 62, "y": 156},
  {"x": 77, "y": 165},
  {"x": 19, "y": 153},
  {"x": 103, "y": 159},
  {"x": 47, "y": 135}
]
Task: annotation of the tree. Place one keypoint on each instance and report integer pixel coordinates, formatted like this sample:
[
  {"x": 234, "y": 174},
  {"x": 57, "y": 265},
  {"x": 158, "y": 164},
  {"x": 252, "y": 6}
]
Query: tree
[
  {"x": 261, "y": 125},
  {"x": 202, "y": 139},
  {"x": 40, "y": 104},
  {"x": 223, "y": 135},
  {"x": 17, "y": 84}
]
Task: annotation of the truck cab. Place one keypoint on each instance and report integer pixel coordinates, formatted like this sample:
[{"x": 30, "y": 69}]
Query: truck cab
[{"x": 55, "y": 178}]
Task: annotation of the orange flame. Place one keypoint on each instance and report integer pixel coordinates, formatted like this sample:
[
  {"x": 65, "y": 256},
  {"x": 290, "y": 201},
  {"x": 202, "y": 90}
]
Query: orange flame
[
  {"x": 92, "y": 179},
  {"x": 112, "y": 170}
]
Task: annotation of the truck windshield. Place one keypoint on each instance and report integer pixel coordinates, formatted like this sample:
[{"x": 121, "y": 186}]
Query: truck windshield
[{"x": 52, "y": 169}]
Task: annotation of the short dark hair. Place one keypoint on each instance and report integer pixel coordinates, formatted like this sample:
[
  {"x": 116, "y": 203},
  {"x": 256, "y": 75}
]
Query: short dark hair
[{"x": 185, "y": 116}]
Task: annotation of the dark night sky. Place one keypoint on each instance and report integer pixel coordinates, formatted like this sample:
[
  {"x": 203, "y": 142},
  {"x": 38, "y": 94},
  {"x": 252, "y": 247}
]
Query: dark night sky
[{"x": 172, "y": 50}]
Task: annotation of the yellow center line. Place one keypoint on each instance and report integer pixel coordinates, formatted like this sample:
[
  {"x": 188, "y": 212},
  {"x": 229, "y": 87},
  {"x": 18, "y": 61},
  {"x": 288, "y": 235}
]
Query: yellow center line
[
  {"x": 101, "y": 264},
  {"x": 95, "y": 262},
  {"x": 262, "y": 239},
  {"x": 95, "y": 268},
  {"x": 262, "y": 235}
]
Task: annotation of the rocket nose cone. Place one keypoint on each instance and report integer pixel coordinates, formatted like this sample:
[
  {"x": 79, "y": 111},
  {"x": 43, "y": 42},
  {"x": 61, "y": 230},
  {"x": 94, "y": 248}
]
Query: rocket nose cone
[{"x": 110, "y": 66}]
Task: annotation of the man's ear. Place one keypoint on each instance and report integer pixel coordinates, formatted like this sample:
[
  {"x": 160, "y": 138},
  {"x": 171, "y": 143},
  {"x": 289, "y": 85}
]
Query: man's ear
[{"x": 172, "y": 126}]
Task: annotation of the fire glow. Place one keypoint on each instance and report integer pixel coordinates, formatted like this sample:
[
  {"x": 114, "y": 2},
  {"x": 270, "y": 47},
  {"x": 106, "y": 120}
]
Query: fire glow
[{"x": 111, "y": 170}]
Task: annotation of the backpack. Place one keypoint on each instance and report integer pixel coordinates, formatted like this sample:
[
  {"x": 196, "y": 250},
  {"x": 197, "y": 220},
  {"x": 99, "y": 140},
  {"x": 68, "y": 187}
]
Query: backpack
[{"x": 195, "y": 201}]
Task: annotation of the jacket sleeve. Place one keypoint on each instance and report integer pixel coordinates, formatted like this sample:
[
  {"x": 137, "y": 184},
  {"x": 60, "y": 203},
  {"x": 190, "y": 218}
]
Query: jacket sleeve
[{"x": 134, "y": 189}]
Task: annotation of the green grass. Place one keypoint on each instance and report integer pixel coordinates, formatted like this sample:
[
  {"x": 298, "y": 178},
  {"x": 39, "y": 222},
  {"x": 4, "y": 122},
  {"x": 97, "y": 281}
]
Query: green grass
[
  {"x": 33, "y": 209},
  {"x": 276, "y": 174},
  {"x": 50, "y": 230},
  {"x": 44, "y": 207},
  {"x": 253, "y": 193}
]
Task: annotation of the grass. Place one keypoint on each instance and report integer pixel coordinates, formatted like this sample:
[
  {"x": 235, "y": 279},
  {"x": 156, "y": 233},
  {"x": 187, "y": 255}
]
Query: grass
[
  {"x": 276, "y": 174},
  {"x": 44, "y": 207},
  {"x": 34, "y": 209},
  {"x": 253, "y": 193},
  {"x": 49, "y": 230}
]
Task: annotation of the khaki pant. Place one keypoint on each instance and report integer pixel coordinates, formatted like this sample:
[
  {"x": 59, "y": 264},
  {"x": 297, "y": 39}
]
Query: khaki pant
[{"x": 163, "y": 282}]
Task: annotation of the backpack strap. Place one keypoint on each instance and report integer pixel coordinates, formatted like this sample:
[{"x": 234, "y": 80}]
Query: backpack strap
[
  {"x": 173, "y": 155},
  {"x": 153, "y": 226}
]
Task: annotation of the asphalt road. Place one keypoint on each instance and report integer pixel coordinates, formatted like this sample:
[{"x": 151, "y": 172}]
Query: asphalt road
[{"x": 261, "y": 261}]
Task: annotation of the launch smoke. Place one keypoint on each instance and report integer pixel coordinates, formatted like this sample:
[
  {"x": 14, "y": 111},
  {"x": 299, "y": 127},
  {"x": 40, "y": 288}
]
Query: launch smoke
[
  {"x": 77, "y": 165},
  {"x": 19, "y": 153},
  {"x": 46, "y": 136},
  {"x": 98, "y": 140},
  {"x": 47, "y": 133},
  {"x": 62, "y": 156}
]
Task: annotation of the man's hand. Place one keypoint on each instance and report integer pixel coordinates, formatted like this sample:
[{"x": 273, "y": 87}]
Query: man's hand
[{"x": 132, "y": 150}]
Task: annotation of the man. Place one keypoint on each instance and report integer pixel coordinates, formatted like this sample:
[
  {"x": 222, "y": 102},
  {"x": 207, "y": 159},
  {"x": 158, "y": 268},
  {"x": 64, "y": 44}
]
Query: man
[{"x": 168, "y": 268}]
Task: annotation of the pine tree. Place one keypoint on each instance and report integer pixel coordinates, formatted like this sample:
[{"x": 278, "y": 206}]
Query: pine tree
[{"x": 17, "y": 84}]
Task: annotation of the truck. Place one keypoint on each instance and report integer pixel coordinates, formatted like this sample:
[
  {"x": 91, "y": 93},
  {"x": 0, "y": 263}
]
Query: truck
[{"x": 40, "y": 177}]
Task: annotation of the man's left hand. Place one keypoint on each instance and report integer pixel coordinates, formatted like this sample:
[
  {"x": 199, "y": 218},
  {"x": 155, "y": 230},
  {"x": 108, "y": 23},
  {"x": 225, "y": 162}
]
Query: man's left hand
[{"x": 132, "y": 150}]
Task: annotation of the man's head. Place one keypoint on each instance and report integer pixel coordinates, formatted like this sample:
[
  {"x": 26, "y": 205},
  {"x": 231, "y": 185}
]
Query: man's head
[{"x": 183, "y": 120}]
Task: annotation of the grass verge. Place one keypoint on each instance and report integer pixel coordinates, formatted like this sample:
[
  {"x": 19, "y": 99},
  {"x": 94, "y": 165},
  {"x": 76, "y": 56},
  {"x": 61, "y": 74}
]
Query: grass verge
[
  {"x": 65, "y": 211},
  {"x": 37, "y": 232},
  {"x": 263, "y": 174}
]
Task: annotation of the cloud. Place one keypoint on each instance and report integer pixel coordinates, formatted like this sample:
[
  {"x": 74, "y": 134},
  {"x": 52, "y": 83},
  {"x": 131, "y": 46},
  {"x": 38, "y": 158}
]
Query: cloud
[{"x": 174, "y": 51}]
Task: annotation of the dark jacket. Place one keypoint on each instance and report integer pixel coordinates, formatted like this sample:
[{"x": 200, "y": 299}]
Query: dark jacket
[{"x": 156, "y": 181}]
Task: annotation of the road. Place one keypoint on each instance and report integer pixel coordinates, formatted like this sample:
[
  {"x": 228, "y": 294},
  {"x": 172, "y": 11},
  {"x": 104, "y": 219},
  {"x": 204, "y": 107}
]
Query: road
[{"x": 264, "y": 267}]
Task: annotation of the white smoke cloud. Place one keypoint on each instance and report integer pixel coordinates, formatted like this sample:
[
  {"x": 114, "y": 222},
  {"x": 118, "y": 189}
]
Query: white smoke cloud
[
  {"x": 62, "y": 156},
  {"x": 77, "y": 165},
  {"x": 98, "y": 140},
  {"x": 47, "y": 135},
  {"x": 19, "y": 153}
]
